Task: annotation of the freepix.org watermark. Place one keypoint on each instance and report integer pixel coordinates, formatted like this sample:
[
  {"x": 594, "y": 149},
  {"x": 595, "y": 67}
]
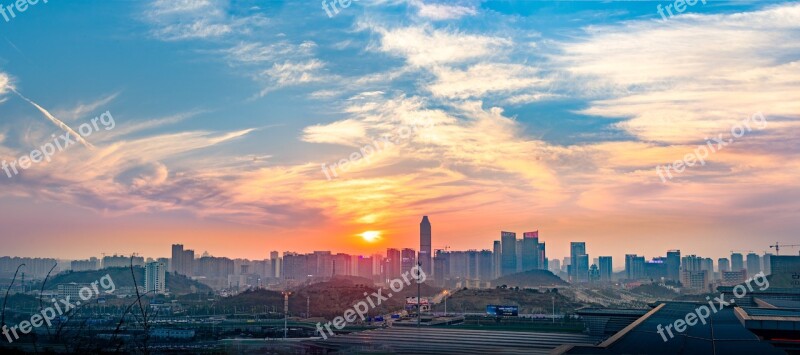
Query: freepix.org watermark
[
  {"x": 62, "y": 142},
  {"x": 361, "y": 308},
  {"x": 680, "y": 7},
  {"x": 328, "y": 4},
  {"x": 10, "y": 11},
  {"x": 403, "y": 133},
  {"x": 60, "y": 308},
  {"x": 703, "y": 312},
  {"x": 712, "y": 145}
]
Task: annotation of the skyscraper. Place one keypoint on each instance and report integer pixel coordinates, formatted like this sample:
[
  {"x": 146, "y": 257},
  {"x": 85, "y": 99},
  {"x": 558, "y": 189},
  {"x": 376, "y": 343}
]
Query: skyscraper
[
  {"x": 177, "y": 254},
  {"x": 425, "y": 245},
  {"x": 737, "y": 262},
  {"x": 497, "y": 253},
  {"x": 634, "y": 267},
  {"x": 753, "y": 264},
  {"x": 674, "y": 265},
  {"x": 155, "y": 277},
  {"x": 409, "y": 259},
  {"x": 530, "y": 251},
  {"x": 394, "y": 264},
  {"x": 606, "y": 265},
  {"x": 509, "y": 258},
  {"x": 724, "y": 265},
  {"x": 578, "y": 270},
  {"x": 275, "y": 261}
]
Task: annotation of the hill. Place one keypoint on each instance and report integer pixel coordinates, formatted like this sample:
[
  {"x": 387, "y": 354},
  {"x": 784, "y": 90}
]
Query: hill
[
  {"x": 655, "y": 290},
  {"x": 177, "y": 284},
  {"x": 529, "y": 301},
  {"x": 533, "y": 278},
  {"x": 325, "y": 299}
]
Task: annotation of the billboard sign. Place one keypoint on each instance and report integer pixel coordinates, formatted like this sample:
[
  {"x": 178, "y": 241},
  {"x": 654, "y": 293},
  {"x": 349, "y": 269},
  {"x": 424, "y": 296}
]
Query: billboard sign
[{"x": 502, "y": 311}]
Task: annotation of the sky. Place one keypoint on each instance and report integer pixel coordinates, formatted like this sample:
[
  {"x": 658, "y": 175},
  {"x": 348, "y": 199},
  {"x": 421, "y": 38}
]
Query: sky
[{"x": 218, "y": 124}]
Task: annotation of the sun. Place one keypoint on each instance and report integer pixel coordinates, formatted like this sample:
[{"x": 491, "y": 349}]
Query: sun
[{"x": 370, "y": 236}]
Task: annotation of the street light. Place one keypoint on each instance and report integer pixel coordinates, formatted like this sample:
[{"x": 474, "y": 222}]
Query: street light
[
  {"x": 445, "y": 302},
  {"x": 285, "y": 313}
]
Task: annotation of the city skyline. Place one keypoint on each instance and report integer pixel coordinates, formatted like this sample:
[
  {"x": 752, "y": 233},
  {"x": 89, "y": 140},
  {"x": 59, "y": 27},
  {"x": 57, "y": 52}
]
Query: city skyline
[{"x": 500, "y": 116}]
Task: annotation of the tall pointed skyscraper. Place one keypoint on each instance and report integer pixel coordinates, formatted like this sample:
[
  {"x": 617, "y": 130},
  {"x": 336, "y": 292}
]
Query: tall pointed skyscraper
[{"x": 425, "y": 245}]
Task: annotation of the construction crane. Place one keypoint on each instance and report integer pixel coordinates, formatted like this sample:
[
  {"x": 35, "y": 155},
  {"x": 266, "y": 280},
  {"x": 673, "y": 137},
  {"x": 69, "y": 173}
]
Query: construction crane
[{"x": 778, "y": 246}]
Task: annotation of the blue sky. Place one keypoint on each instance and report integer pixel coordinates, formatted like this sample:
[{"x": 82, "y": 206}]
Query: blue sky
[{"x": 547, "y": 115}]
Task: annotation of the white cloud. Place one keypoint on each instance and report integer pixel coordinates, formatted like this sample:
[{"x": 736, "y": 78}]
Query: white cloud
[
  {"x": 690, "y": 77},
  {"x": 346, "y": 132},
  {"x": 442, "y": 11},
  {"x": 426, "y": 47},
  {"x": 485, "y": 78}
]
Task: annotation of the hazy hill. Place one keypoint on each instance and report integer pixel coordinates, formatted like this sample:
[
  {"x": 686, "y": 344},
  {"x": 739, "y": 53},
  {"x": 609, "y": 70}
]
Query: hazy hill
[
  {"x": 529, "y": 301},
  {"x": 533, "y": 278},
  {"x": 177, "y": 284},
  {"x": 326, "y": 299}
]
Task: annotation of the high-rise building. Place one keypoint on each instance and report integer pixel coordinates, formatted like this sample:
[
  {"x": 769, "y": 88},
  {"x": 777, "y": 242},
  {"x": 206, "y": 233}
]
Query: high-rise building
[
  {"x": 394, "y": 263},
  {"x": 579, "y": 271},
  {"x": 543, "y": 262},
  {"x": 582, "y": 267},
  {"x": 155, "y": 277},
  {"x": 441, "y": 267},
  {"x": 674, "y": 265},
  {"x": 724, "y": 265},
  {"x": 177, "y": 254},
  {"x": 656, "y": 269},
  {"x": 594, "y": 273},
  {"x": 274, "y": 259},
  {"x": 634, "y": 267},
  {"x": 497, "y": 254},
  {"x": 485, "y": 265},
  {"x": 509, "y": 250},
  {"x": 425, "y": 245},
  {"x": 606, "y": 266},
  {"x": 737, "y": 262},
  {"x": 365, "y": 267},
  {"x": 529, "y": 252},
  {"x": 408, "y": 259},
  {"x": 766, "y": 264},
  {"x": 555, "y": 266},
  {"x": 753, "y": 264}
]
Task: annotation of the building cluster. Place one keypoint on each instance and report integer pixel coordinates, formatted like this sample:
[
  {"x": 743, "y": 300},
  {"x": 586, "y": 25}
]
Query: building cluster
[
  {"x": 444, "y": 267},
  {"x": 691, "y": 271}
]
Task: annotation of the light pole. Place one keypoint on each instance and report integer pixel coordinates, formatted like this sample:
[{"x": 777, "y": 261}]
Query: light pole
[
  {"x": 554, "y": 308},
  {"x": 445, "y": 303},
  {"x": 286, "y": 313}
]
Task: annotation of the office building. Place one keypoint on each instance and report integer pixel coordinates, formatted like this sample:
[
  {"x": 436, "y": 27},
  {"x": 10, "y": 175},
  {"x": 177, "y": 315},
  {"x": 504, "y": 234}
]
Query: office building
[
  {"x": 605, "y": 268},
  {"x": 394, "y": 264},
  {"x": 497, "y": 254},
  {"x": 634, "y": 267},
  {"x": 425, "y": 256},
  {"x": 724, "y": 265},
  {"x": 509, "y": 253},
  {"x": 579, "y": 268},
  {"x": 753, "y": 264},
  {"x": 674, "y": 265},
  {"x": 530, "y": 251},
  {"x": 408, "y": 259},
  {"x": 737, "y": 262}
]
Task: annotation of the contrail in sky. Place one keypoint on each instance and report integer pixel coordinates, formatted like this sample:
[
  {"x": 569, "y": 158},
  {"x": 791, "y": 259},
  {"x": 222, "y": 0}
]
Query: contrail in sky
[{"x": 55, "y": 120}]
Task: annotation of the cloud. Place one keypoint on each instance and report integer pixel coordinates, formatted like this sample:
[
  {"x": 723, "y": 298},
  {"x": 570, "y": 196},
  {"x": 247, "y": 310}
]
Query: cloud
[
  {"x": 485, "y": 78},
  {"x": 347, "y": 132},
  {"x": 442, "y": 11},
  {"x": 425, "y": 47},
  {"x": 693, "y": 85},
  {"x": 82, "y": 110}
]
